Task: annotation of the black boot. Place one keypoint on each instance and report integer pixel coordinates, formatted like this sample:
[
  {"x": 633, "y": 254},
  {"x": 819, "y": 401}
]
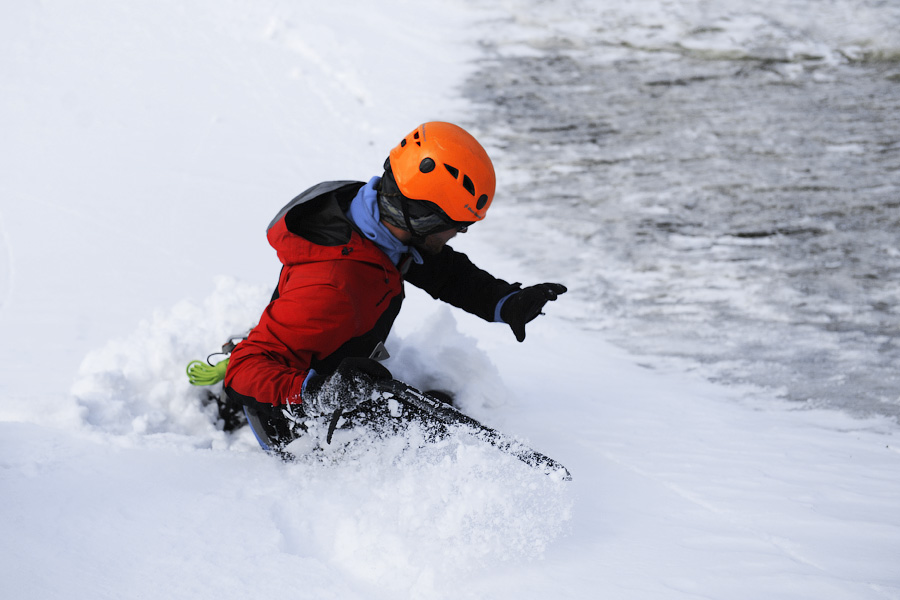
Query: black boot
[{"x": 231, "y": 413}]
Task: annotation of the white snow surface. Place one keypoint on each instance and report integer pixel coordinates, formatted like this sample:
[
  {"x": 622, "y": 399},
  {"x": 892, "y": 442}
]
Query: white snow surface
[{"x": 145, "y": 147}]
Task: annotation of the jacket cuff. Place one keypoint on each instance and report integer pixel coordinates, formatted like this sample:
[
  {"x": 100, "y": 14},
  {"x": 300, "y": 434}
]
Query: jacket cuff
[{"x": 497, "y": 318}]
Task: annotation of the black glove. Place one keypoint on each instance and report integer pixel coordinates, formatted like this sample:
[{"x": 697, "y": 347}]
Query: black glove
[
  {"x": 523, "y": 306},
  {"x": 351, "y": 383}
]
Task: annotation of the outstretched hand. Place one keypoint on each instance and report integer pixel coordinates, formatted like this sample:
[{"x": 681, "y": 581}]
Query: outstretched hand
[{"x": 526, "y": 304}]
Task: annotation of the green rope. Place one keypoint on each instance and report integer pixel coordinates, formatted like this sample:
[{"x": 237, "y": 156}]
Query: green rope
[{"x": 201, "y": 373}]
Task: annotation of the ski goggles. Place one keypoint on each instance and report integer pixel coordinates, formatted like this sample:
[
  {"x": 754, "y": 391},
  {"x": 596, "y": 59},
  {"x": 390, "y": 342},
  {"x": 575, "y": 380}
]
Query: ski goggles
[
  {"x": 424, "y": 217},
  {"x": 427, "y": 218}
]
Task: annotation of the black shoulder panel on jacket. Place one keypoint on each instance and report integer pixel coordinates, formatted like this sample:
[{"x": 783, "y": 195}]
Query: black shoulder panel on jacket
[{"x": 318, "y": 213}]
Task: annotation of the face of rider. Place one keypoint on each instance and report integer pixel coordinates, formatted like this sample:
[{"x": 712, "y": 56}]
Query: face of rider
[{"x": 435, "y": 242}]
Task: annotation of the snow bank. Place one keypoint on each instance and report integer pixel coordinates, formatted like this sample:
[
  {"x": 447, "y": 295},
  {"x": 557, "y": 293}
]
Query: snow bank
[{"x": 403, "y": 516}]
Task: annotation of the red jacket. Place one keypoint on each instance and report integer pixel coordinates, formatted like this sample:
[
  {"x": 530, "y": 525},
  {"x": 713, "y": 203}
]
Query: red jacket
[{"x": 337, "y": 296}]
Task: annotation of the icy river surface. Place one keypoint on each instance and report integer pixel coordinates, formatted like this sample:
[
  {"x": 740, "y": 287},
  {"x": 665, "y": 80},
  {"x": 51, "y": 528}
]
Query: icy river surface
[{"x": 721, "y": 179}]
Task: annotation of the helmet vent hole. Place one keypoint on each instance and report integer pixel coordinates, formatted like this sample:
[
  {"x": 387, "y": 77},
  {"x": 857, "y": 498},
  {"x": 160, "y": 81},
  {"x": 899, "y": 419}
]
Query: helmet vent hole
[
  {"x": 426, "y": 166},
  {"x": 482, "y": 200},
  {"x": 453, "y": 171},
  {"x": 403, "y": 143},
  {"x": 467, "y": 183}
]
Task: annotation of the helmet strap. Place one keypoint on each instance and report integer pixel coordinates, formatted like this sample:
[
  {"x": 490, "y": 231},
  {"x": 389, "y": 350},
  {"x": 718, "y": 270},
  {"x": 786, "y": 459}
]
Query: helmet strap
[{"x": 416, "y": 239}]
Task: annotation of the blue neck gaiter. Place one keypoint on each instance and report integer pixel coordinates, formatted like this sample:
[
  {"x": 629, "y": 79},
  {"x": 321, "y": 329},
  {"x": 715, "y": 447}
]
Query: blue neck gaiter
[{"x": 365, "y": 214}]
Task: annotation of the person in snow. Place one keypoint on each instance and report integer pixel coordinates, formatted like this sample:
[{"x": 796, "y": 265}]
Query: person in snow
[{"x": 347, "y": 247}]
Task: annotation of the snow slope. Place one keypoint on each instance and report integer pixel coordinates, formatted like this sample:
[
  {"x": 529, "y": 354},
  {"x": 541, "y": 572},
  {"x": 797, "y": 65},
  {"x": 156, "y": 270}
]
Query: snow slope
[{"x": 145, "y": 148}]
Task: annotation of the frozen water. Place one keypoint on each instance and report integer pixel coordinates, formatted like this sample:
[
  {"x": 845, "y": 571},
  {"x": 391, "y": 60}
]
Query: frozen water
[{"x": 726, "y": 176}]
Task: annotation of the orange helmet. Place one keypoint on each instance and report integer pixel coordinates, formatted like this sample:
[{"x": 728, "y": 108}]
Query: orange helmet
[{"x": 443, "y": 164}]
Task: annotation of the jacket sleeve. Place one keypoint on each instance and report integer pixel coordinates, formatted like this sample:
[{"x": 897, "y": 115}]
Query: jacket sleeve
[
  {"x": 450, "y": 276},
  {"x": 308, "y": 322}
]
